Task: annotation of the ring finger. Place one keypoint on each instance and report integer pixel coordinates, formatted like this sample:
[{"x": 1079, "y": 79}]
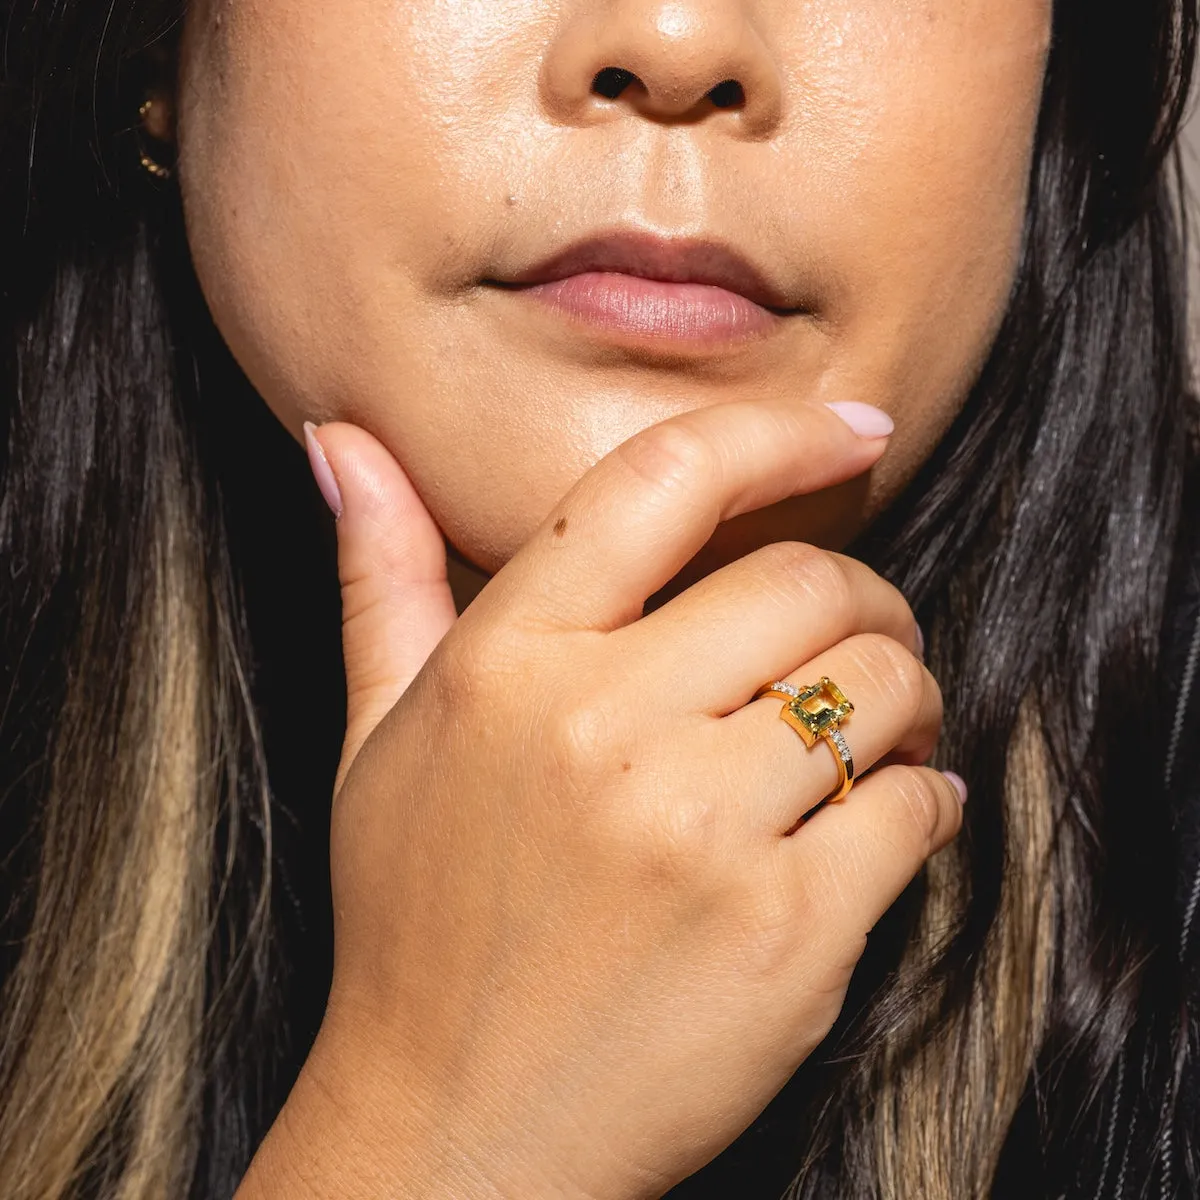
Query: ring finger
[{"x": 897, "y": 713}]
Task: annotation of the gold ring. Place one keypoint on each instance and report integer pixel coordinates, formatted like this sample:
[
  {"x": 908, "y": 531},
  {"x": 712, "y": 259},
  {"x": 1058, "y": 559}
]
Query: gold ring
[{"x": 817, "y": 713}]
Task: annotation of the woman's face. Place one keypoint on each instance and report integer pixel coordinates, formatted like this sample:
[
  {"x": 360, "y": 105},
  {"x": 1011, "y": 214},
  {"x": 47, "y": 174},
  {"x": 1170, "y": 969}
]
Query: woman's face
[{"x": 360, "y": 180}]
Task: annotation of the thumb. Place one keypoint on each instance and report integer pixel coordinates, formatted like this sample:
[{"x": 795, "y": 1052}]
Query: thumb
[{"x": 396, "y": 601}]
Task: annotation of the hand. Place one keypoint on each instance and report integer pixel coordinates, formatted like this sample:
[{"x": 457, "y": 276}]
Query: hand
[{"x": 577, "y": 950}]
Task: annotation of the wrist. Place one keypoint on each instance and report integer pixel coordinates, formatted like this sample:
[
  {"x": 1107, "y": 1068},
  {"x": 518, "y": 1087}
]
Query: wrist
[
  {"x": 337, "y": 1135},
  {"x": 350, "y": 1131}
]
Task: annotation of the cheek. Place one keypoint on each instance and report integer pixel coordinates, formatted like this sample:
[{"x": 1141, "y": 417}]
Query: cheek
[
  {"x": 328, "y": 169},
  {"x": 931, "y": 124},
  {"x": 938, "y": 201}
]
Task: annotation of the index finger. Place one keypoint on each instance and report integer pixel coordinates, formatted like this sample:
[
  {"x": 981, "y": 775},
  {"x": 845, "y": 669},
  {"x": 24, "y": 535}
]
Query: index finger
[{"x": 636, "y": 518}]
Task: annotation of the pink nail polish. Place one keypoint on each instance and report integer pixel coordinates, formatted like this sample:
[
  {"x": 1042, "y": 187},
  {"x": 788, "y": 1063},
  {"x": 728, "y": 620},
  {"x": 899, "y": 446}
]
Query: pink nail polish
[
  {"x": 865, "y": 419},
  {"x": 959, "y": 783},
  {"x": 322, "y": 472}
]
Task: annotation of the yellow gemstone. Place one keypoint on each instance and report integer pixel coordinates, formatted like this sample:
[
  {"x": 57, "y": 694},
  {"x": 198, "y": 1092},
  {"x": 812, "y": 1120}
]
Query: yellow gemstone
[{"x": 820, "y": 708}]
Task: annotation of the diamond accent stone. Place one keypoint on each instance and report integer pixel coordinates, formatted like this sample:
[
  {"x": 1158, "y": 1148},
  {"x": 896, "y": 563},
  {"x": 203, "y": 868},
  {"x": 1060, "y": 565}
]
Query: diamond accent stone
[
  {"x": 835, "y": 736},
  {"x": 781, "y": 685}
]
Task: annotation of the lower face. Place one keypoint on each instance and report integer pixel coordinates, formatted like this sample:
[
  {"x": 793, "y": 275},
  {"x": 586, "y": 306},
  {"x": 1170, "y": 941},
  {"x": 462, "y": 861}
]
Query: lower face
[{"x": 364, "y": 181}]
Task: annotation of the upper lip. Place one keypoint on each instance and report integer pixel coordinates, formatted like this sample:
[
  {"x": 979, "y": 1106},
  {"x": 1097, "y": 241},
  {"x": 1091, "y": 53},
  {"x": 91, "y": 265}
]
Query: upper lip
[{"x": 673, "y": 260}]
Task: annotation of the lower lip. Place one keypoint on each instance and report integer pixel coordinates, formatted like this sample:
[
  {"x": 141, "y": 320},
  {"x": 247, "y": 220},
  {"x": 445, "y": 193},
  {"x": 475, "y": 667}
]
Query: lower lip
[{"x": 653, "y": 308}]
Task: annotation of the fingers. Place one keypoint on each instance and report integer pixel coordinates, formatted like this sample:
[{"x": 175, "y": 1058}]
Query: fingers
[
  {"x": 849, "y": 862},
  {"x": 396, "y": 601},
  {"x": 897, "y": 711},
  {"x": 756, "y": 619},
  {"x": 638, "y": 516}
]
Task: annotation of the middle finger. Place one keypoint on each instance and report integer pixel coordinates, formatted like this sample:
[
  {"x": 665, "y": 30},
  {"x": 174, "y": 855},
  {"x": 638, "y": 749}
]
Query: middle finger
[{"x": 756, "y": 618}]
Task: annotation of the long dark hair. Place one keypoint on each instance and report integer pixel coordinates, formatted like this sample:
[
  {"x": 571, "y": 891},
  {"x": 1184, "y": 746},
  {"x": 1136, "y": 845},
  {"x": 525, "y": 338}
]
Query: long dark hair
[{"x": 1017, "y": 1008}]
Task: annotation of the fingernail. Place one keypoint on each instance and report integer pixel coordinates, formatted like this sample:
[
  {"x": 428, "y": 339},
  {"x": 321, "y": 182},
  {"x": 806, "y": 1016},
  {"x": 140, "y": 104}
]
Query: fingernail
[
  {"x": 865, "y": 419},
  {"x": 959, "y": 783},
  {"x": 322, "y": 472},
  {"x": 920, "y": 644}
]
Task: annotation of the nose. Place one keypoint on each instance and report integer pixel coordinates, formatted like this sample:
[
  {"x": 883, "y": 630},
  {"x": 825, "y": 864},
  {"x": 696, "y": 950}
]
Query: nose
[{"x": 673, "y": 62}]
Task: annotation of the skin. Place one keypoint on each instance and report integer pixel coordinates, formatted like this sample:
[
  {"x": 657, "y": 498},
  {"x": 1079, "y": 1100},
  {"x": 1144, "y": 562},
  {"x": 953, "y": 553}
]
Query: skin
[
  {"x": 580, "y": 939},
  {"x": 351, "y": 173}
]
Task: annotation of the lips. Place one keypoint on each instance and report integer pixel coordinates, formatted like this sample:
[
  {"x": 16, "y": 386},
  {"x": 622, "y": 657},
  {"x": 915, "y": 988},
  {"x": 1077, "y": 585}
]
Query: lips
[
  {"x": 647, "y": 291},
  {"x": 679, "y": 260}
]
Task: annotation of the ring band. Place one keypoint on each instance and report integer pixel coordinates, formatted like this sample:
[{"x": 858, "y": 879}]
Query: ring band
[{"x": 817, "y": 713}]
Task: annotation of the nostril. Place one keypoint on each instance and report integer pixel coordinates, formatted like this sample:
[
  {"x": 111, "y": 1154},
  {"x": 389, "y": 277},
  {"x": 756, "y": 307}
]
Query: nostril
[
  {"x": 727, "y": 94},
  {"x": 612, "y": 81}
]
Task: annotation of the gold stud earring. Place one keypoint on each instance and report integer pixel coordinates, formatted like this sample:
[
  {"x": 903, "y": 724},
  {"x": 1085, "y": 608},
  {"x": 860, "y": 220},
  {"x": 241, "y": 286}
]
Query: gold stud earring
[{"x": 149, "y": 164}]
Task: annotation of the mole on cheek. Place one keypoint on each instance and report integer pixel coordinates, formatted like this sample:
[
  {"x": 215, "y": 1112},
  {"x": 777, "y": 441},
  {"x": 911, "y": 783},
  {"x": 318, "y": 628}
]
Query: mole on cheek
[{"x": 560, "y": 526}]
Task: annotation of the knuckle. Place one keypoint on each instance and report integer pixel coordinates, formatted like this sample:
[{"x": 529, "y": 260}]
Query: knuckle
[
  {"x": 833, "y": 877},
  {"x": 460, "y": 666},
  {"x": 769, "y": 932},
  {"x": 922, "y": 801},
  {"x": 856, "y": 568},
  {"x": 893, "y": 667},
  {"x": 669, "y": 457},
  {"x": 816, "y": 572},
  {"x": 831, "y": 886},
  {"x": 468, "y": 666},
  {"x": 579, "y": 736}
]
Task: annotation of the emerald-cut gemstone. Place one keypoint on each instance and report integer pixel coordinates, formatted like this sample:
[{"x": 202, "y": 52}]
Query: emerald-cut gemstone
[{"x": 817, "y": 709}]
